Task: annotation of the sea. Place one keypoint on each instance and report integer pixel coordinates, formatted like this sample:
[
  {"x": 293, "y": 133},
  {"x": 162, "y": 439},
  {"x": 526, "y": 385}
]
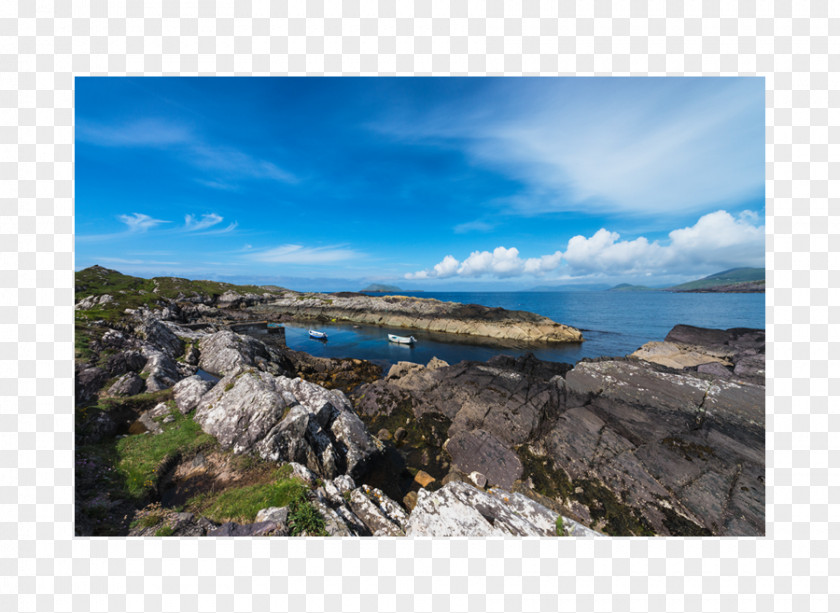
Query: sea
[{"x": 613, "y": 324}]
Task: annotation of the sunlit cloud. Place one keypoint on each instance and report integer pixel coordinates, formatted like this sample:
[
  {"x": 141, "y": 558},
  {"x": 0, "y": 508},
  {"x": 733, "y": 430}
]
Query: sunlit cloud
[{"x": 717, "y": 240}]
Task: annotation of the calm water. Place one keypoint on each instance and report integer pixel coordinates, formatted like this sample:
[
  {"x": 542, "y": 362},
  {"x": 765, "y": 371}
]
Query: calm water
[{"x": 613, "y": 324}]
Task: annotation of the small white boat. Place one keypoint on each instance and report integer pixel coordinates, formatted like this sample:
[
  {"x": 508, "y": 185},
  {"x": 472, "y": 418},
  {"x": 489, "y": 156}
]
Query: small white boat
[
  {"x": 402, "y": 340},
  {"x": 321, "y": 336}
]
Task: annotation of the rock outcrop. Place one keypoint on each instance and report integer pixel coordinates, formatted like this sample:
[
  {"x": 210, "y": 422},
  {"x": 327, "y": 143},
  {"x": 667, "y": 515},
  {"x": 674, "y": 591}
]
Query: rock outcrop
[
  {"x": 423, "y": 314},
  {"x": 459, "y": 509},
  {"x": 623, "y": 445},
  {"x": 284, "y": 419}
]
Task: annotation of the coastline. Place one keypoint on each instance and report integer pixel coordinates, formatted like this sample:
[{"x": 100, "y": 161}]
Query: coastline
[{"x": 666, "y": 441}]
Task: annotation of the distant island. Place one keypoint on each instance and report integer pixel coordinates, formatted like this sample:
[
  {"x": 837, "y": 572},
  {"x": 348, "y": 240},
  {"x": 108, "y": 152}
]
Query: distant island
[
  {"x": 382, "y": 287},
  {"x": 626, "y": 287},
  {"x": 734, "y": 280}
]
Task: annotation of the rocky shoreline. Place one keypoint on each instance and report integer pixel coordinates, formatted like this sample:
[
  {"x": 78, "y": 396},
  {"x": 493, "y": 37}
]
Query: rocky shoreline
[
  {"x": 421, "y": 314},
  {"x": 181, "y": 422}
]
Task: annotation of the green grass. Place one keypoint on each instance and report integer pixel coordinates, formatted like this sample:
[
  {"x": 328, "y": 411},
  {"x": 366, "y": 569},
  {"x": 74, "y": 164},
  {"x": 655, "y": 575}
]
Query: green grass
[
  {"x": 137, "y": 292},
  {"x": 559, "y": 527},
  {"x": 242, "y": 504},
  {"x": 303, "y": 517},
  {"x": 139, "y": 456},
  {"x": 165, "y": 531}
]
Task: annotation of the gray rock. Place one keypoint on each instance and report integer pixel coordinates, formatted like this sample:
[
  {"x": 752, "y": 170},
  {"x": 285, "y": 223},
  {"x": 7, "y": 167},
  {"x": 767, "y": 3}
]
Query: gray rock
[
  {"x": 161, "y": 370},
  {"x": 291, "y": 420},
  {"x": 458, "y": 509},
  {"x": 188, "y": 392},
  {"x": 161, "y": 337},
  {"x": 228, "y": 353},
  {"x": 129, "y": 384},
  {"x": 715, "y": 369},
  {"x": 88, "y": 383},
  {"x": 480, "y": 451},
  {"x": 381, "y": 515},
  {"x": 278, "y": 515},
  {"x": 263, "y": 528}
]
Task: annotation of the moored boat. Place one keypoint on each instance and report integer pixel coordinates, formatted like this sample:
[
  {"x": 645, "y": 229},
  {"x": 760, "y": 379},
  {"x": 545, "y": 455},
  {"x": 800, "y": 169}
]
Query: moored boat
[
  {"x": 402, "y": 340},
  {"x": 271, "y": 324},
  {"x": 321, "y": 336}
]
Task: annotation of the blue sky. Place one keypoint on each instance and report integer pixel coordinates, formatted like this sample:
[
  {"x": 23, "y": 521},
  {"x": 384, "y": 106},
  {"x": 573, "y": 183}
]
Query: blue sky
[{"x": 427, "y": 183}]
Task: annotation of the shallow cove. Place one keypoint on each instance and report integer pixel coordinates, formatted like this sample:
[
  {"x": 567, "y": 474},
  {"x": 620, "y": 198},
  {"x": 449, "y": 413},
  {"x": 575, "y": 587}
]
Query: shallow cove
[{"x": 613, "y": 324}]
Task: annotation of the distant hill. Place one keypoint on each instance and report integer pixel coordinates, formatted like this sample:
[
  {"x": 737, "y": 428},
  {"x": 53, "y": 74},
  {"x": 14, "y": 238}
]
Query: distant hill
[
  {"x": 382, "y": 287},
  {"x": 579, "y": 287},
  {"x": 626, "y": 287},
  {"x": 733, "y": 280}
]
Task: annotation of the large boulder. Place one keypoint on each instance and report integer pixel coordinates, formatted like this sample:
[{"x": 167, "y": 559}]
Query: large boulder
[
  {"x": 161, "y": 371},
  {"x": 228, "y": 353},
  {"x": 161, "y": 337},
  {"x": 127, "y": 385},
  {"x": 188, "y": 392},
  {"x": 284, "y": 419},
  {"x": 459, "y": 509}
]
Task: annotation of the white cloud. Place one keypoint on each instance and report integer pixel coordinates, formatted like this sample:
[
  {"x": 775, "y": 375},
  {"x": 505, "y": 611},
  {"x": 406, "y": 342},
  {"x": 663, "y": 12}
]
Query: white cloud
[
  {"x": 634, "y": 146},
  {"x": 298, "y": 254},
  {"x": 193, "y": 224},
  {"x": 718, "y": 240},
  {"x": 500, "y": 263},
  {"x": 138, "y": 222}
]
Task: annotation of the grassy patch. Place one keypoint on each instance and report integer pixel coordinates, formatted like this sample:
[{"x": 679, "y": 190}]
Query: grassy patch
[
  {"x": 303, "y": 517},
  {"x": 139, "y": 456},
  {"x": 165, "y": 531},
  {"x": 559, "y": 527},
  {"x": 241, "y": 504}
]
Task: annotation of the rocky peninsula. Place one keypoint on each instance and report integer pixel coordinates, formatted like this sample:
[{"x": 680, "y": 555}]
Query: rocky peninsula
[
  {"x": 186, "y": 427},
  {"x": 422, "y": 314}
]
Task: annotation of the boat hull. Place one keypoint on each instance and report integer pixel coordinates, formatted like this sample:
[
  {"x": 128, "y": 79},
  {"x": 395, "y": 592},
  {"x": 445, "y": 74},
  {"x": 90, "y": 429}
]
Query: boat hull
[
  {"x": 402, "y": 340},
  {"x": 320, "y": 336}
]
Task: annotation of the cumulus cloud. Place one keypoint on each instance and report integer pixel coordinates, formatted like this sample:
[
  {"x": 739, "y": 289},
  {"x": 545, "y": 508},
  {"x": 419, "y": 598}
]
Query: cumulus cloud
[{"x": 716, "y": 240}]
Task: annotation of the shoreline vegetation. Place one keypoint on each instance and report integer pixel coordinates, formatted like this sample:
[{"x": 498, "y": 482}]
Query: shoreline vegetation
[{"x": 186, "y": 425}]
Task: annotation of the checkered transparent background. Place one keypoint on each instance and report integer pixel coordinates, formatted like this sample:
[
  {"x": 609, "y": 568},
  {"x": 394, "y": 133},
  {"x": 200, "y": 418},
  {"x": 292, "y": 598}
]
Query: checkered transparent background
[{"x": 43, "y": 567}]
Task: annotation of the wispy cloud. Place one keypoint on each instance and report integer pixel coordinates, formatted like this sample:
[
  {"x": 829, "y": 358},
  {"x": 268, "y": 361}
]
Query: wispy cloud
[
  {"x": 298, "y": 254},
  {"x": 229, "y": 161},
  {"x": 149, "y": 132},
  {"x": 139, "y": 222},
  {"x": 717, "y": 240},
  {"x": 473, "y": 226},
  {"x": 193, "y": 224},
  {"x": 631, "y": 146}
]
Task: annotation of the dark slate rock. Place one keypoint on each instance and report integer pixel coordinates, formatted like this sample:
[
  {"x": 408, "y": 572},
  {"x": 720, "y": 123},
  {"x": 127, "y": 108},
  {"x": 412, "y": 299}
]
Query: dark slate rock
[{"x": 480, "y": 451}]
